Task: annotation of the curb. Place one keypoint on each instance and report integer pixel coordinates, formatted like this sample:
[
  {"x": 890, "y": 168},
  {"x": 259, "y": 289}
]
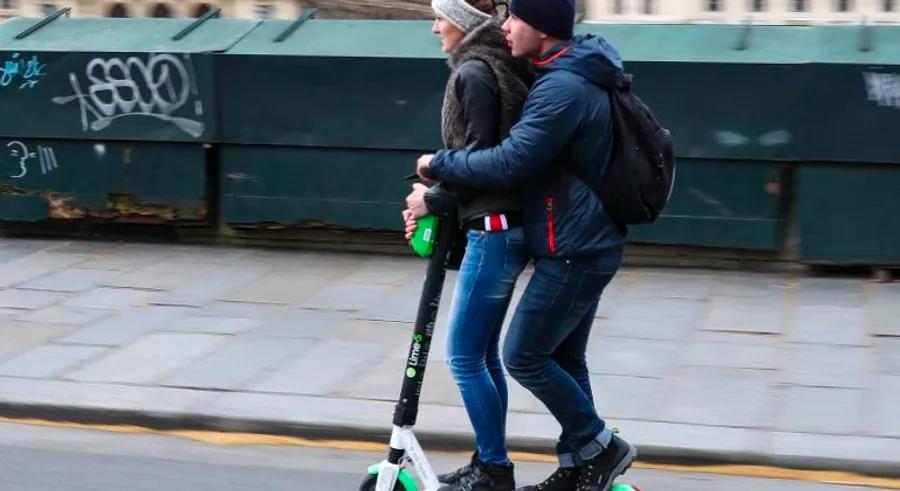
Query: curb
[{"x": 165, "y": 421}]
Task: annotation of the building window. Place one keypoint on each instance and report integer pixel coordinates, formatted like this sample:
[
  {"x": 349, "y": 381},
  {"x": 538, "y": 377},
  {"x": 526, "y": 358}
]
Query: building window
[
  {"x": 202, "y": 9},
  {"x": 757, "y": 5},
  {"x": 713, "y": 5},
  {"x": 265, "y": 11},
  {"x": 48, "y": 9},
  {"x": 161, "y": 10},
  {"x": 618, "y": 7},
  {"x": 800, "y": 5},
  {"x": 648, "y": 7},
  {"x": 843, "y": 5},
  {"x": 889, "y": 5},
  {"x": 7, "y": 5},
  {"x": 117, "y": 10}
]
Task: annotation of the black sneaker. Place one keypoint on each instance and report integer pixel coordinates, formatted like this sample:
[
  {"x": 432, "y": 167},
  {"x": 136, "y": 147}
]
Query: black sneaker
[
  {"x": 563, "y": 479},
  {"x": 485, "y": 477},
  {"x": 600, "y": 472},
  {"x": 455, "y": 476}
]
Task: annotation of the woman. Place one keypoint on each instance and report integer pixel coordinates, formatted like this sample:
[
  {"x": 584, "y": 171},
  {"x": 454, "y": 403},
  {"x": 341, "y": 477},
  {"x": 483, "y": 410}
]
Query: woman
[{"x": 483, "y": 99}]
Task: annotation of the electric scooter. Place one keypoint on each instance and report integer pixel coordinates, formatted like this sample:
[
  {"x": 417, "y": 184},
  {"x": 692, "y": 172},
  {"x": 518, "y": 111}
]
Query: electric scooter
[{"x": 432, "y": 239}]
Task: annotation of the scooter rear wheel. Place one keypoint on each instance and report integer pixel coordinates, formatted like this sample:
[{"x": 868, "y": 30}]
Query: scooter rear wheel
[{"x": 369, "y": 484}]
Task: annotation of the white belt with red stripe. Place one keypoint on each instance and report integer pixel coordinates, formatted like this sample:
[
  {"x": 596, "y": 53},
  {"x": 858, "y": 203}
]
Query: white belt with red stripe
[{"x": 494, "y": 223}]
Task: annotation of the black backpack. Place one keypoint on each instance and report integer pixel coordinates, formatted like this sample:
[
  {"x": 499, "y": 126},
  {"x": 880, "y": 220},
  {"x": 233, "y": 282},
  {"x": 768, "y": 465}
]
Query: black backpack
[{"x": 641, "y": 173}]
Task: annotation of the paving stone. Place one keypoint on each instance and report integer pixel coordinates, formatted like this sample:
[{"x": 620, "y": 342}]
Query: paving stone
[
  {"x": 439, "y": 388},
  {"x": 19, "y": 337},
  {"x": 135, "y": 399},
  {"x": 125, "y": 327},
  {"x": 304, "y": 409},
  {"x": 298, "y": 260},
  {"x": 27, "y": 299},
  {"x": 654, "y": 318},
  {"x": 61, "y": 314},
  {"x": 306, "y": 323},
  {"x": 207, "y": 288},
  {"x": 822, "y": 410},
  {"x": 388, "y": 270},
  {"x": 888, "y": 353},
  {"x": 676, "y": 284},
  {"x": 234, "y": 365},
  {"x": 10, "y": 253},
  {"x": 829, "y": 366},
  {"x": 762, "y": 356},
  {"x": 162, "y": 275},
  {"x": 70, "y": 280},
  {"x": 322, "y": 369},
  {"x": 264, "y": 312},
  {"x": 347, "y": 297},
  {"x": 280, "y": 287},
  {"x": 380, "y": 381},
  {"x": 388, "y": 334},
  {"x": 824, "y": 451},
  {"x": 750, "y": 314},
  {"x": 122, "y": 260},
  {"x": 626, "y": 397},
  {"x": 830, "y": 292},
  {"x": 212, "y": 325},
  {"x": 827, "y": 324},
  {"x": 215, "y": 254},
  {"x": 49, "y": 360},
  {"x": 111, "y": 298},
  {"x": 400, "y": 304},
  {"x": 719, "y": 396},
  {"x": 738, "y": 337},
  {"x": 522, "y": 400},
  {"x": 750, "y": 285},
  {"x": 889, "y": 406},
  {"x": 35, "y": 265},
  {"x": 616, "y": 293},
  {"x": 87, "y": 247},
  {"x": 881, "y": 302},
  {"x": 149, "y": 359},
  {"x": 631, "y": 357}
]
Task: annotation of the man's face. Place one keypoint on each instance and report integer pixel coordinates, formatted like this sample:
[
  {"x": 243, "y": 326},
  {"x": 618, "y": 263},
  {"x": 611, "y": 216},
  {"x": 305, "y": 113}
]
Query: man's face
[{"x": 523, "y": 40}]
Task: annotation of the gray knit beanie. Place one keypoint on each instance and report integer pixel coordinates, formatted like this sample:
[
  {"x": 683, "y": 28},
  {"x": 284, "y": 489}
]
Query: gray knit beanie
[{"x": 460, "y": 14}]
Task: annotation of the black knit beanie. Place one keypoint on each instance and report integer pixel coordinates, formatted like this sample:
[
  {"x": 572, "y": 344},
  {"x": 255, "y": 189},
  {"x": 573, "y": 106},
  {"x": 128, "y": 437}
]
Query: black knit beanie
[{"x": 555, "y": 18}]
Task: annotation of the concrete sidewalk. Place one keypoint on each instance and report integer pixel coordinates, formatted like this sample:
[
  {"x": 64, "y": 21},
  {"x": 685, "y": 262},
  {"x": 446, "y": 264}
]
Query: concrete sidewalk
[{"x": 689, "y": 364}]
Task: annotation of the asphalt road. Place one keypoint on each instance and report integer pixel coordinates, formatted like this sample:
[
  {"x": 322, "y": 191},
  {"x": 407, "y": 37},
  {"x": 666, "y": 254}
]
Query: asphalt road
[{"x": 37, "y": 458}]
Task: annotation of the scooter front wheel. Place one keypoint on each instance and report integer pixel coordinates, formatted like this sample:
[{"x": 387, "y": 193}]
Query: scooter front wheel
[{"x": 369, "y": 482}]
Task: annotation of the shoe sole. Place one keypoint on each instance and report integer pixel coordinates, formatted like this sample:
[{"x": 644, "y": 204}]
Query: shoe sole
[{"x": 620, "y": 469}]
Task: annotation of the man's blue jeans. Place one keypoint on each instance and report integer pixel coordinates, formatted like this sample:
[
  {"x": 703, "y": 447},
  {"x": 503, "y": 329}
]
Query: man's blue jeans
[
  {"x": 545, "y": 348},
  {"x": 487, "y": 277}
]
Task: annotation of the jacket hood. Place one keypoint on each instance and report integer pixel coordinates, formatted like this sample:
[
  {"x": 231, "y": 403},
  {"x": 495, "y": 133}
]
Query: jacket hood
[{"x": 589, "y": 56}]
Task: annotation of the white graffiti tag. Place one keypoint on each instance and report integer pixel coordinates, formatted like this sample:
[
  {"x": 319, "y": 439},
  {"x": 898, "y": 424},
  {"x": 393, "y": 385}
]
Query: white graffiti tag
[
  {"x": 883, "y": 88},
  {"x": 156, "y": 88},
  {"x": 44, "y": 155}
]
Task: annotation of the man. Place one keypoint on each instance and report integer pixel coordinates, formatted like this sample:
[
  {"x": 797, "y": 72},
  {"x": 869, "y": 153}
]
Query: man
[{"x": 557, "y": 151}]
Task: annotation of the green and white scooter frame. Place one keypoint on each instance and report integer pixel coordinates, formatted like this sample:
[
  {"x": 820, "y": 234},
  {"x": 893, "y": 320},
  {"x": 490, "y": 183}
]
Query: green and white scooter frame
[{"x": 389, "y": 474}]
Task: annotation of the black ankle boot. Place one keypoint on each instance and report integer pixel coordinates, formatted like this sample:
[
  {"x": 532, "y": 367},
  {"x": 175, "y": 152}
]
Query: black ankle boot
[
  {"x": 485, "y": 477},
  {"x": 455, "y": 476},
  {"x": 601, "y": 472},
  {"x": 563, "y": 479}
]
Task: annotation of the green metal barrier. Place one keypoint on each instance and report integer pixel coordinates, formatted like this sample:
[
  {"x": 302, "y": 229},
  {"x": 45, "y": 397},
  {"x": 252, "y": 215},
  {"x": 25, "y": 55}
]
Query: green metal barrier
[
  {"x": 321, "y": 127},
  {"x": 783, "y": 134},
  {"x": 106, "y": 120}
]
